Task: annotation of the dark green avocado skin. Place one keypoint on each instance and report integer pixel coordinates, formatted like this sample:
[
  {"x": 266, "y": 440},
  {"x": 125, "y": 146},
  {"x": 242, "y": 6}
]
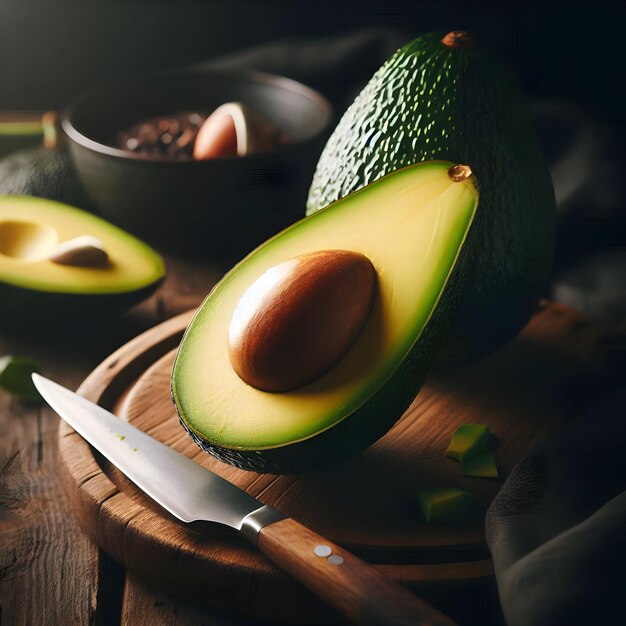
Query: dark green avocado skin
[
  {"x": 357, "y": 432},
  {"x": 43, "y": 173},
  {"x": 432, "y": 101},
  {"x": 25, "y": 310}
]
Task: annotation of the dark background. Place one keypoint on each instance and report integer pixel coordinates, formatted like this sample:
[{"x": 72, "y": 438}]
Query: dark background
[
  {"x": 569, "y": 57},
  {"x": 50, "y": 50}
]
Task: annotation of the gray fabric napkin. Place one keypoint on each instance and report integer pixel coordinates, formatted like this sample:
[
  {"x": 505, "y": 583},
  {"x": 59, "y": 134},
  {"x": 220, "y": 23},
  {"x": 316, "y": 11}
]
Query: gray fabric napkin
[{"x": 557, "y": 529}]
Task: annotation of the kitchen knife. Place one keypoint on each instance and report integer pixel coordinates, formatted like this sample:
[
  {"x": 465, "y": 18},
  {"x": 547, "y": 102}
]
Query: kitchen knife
[{"x": 191, "y": 492}]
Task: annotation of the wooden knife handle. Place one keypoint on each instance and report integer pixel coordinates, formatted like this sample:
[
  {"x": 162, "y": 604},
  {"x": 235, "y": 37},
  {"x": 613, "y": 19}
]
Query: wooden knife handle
[{"x": 354, "y": 588}]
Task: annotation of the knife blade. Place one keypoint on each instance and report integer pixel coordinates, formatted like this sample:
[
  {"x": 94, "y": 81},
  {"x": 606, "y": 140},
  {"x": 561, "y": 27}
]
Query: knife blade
[{"x": 191, "y": 492}]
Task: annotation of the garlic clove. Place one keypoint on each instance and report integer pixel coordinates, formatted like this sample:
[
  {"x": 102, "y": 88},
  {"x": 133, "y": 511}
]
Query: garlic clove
[{"x": 83, "y": 251}]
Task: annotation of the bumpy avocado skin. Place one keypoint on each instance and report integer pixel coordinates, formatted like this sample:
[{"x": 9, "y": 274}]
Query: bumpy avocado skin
[
  {"x": 374, "y": 418},
  {"x": 43, "y": 173},
  {"x": 432, "y": 101}
]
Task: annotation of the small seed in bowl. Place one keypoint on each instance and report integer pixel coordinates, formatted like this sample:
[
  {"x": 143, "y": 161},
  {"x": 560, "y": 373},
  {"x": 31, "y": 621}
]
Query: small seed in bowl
[{"x": 169, "y": 136}]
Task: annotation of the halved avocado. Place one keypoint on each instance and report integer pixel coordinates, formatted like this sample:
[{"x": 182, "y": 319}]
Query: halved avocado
[
  {"x": 420, "y": 216},
  {"x": 33, "y": 285}
]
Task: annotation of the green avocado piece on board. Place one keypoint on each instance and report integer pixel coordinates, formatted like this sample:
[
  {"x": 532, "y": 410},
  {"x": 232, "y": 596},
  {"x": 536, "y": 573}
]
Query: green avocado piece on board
[
  {"x": 446, "y": 98},
  {"x": 34, "y": 287},
  {"x": 15, "y": 377},
  {"x": 420, "y": 216},
  {"x": 446, "y": 505},
  {"x": 467, "y": 440},
  {"x": 480, "y": 465}
]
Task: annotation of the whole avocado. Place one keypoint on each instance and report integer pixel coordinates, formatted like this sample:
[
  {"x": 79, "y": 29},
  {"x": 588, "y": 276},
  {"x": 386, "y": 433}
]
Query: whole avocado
[
  {"x": 43, "y": 173},
  {"x": 442, "y": 97}
]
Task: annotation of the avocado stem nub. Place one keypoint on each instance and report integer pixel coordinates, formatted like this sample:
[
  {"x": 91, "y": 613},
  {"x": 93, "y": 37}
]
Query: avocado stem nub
[
  {"x": 458, "y": 39},
  {"x": 459, "y": 173}
]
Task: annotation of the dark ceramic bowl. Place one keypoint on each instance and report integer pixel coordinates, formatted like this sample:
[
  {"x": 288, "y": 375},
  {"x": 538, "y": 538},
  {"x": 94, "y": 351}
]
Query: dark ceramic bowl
[{"x": 220, "y": 207}]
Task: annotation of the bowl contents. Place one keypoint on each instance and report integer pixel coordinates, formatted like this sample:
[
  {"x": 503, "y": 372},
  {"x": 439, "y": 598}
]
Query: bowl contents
[
  {"x": 232, "y": 129},
  {"x": 163, "y": 136}
]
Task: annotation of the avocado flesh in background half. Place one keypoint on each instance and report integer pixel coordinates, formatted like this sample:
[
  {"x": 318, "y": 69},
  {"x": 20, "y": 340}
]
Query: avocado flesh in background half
[
  {"x": 32, "y": 287},
  {"x": 418, "y": 218},
  {"x": 435, "y": 101}
]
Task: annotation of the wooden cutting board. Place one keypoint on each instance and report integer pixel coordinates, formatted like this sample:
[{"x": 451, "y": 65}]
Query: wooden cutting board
[{"x": 368, "y": 504}]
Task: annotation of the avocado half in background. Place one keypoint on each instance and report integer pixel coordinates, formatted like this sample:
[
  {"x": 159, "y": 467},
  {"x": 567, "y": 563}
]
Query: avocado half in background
[
  {"x": 442, "y": 96},
  {"x": 419, "y": 221},
  {"x": 59, "y": 263}
]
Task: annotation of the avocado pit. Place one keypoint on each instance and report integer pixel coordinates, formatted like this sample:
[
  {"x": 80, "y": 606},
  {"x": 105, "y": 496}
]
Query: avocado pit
[
  {"x": 300, "y": 317},
  {"x": 83, "y": 251}
]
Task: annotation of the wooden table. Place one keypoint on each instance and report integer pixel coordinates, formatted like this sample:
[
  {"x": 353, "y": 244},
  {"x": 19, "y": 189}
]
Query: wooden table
[{"x": 50, "y": 571}]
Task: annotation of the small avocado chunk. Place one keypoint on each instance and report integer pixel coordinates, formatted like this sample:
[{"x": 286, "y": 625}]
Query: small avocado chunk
[
  {"x": 419, "y": 216},
  {"x": 300, "y": 317},
  {"x": 58, "y": 262},
  {"x": 15, "y": 377},
  {"x": 446, "y": 505},
  {"x": 480, "y": 465},
  {"x": 468, "y": 440}
]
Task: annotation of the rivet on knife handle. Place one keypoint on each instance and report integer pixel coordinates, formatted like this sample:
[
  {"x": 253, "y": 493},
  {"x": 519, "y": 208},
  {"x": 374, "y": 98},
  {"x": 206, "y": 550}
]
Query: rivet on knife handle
[
  {"x": 192, "y": 492},
  {"x": 357, "y": 590}
]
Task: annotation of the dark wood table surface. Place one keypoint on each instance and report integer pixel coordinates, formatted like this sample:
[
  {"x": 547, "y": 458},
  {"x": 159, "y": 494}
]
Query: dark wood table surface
[{"x": 51, "y": 572}]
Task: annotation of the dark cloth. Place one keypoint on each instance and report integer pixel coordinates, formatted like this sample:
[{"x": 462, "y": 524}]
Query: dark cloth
[{"x": 557, "y": 529}]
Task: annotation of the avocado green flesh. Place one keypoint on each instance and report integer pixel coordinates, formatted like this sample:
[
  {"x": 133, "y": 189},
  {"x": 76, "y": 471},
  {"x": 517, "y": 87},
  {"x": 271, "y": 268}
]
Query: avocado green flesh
[
  {"x": 15, "y": 377},
  {"x": 468, "y": 440},
  {"x": 481, "y": 465},
  {"x": 432, "y": 101},
  {"x": 415, "y": 220},
  {"x": 30, "y": 230},
  {"x": 21, "y": 128},
  {"x": 446, "y": 505}
]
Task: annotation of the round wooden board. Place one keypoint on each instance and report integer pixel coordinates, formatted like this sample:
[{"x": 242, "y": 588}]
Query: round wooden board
[{"x": 368, "y": 504}]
